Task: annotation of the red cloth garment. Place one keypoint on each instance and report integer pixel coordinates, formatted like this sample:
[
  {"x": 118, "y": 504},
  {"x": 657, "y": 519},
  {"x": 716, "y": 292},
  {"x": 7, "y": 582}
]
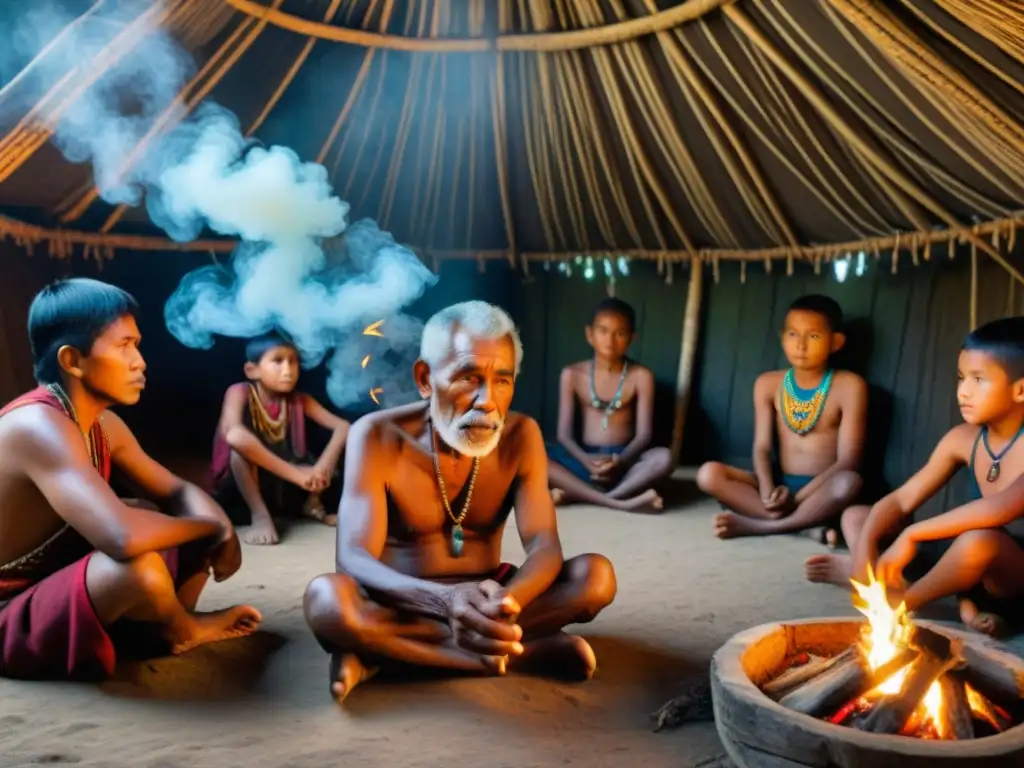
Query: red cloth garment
[
  {"x": 221, "y": 464},
  {"x": 51, "y": 631},
  {"x": 48, "y": 626}
]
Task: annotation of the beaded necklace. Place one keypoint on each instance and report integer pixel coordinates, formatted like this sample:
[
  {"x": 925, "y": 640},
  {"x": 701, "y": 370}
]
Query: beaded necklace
[
  {"x": 802, "y": 414},
  {"x": 457, "y": 539},
  {"x": 610, "y": 406},
  {"x": 272, "y": 429},
  {"x": 96, "y": 440}
]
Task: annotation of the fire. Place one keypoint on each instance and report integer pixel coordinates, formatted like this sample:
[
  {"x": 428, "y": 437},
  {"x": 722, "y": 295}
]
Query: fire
[
  {"x": 373, "y": 329},
  {"x": 889, "y": 630}
]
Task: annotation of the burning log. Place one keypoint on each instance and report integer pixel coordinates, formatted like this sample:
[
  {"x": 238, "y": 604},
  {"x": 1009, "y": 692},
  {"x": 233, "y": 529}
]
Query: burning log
[
  {"x": 849, "y": 679},
  {"x": 893, "y": 712},
  {"x": 986, "y": 711},
  {"x": 794, "y": 677},
  {"x": 957, "y": 720}
]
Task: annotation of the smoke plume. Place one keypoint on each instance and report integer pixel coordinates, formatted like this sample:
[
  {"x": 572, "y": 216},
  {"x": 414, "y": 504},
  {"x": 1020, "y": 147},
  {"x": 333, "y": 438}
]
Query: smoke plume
[{"x": 301, "y": 266}]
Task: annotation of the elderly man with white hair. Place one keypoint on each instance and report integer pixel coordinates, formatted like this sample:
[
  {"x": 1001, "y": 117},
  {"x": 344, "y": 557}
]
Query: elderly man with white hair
[{"x": 427, "y": 490}]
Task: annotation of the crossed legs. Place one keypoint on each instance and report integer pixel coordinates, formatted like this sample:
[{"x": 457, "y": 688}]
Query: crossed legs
[
  {"x": 737, "y": 491},
  {"x": 361, "y": 634},
  {"x": 633, "y": 490}
]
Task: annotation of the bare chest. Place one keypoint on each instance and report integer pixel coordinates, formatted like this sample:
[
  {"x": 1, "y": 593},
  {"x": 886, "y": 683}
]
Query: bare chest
[
  {"x": 604, "y": 392},
  {"x": 420, "y": 504}
]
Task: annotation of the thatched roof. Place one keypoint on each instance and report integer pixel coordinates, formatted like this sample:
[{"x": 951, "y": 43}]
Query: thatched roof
[{"x": 653, "y": 127}]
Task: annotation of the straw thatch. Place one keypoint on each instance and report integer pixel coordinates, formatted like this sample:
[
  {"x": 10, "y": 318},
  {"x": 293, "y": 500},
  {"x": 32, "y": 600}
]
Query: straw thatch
[{"x": 534, "y": 129}]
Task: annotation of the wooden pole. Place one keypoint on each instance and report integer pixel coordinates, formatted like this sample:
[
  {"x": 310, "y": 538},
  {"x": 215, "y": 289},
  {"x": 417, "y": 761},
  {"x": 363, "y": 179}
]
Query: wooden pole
[{"x": 687, "y": 355}]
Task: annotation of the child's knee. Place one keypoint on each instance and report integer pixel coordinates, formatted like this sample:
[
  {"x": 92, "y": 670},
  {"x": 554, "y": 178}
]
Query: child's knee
[
  {"x": 711, "y": 476},
  {"x": 846, "y": 485},
  {"x": 978, "y": 548}
]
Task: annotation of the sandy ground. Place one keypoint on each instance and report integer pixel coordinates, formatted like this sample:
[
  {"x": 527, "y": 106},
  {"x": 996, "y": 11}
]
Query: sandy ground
[{"x": 263, "y": 701}]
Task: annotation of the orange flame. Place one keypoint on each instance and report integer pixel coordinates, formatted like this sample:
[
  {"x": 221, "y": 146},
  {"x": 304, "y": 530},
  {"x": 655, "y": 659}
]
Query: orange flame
[
  {"x": 373, "y": 329},
  {"x": 888, "y": 631},
  {"x": 374, "y": 392},
  {"x": 366, "y": 360}
]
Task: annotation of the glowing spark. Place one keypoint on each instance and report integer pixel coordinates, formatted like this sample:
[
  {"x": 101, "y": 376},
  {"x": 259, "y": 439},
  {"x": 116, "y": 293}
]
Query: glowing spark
[
  {"x": 374, "y": 392},
  {"x": 366, "y": 361},
  {"x": 373, "y": 329}
]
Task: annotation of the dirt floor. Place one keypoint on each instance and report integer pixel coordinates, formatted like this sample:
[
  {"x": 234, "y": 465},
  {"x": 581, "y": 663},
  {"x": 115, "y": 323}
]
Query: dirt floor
[{"x": 264, "y": 701}]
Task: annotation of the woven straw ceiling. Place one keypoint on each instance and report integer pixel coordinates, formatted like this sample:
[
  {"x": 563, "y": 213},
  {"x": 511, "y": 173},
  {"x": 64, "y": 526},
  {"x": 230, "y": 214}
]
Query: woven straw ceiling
[{"x": 565, "y": 126}]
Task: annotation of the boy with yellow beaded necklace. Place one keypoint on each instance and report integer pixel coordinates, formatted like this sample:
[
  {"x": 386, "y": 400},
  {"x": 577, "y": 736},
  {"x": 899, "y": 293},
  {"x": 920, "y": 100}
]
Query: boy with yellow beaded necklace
[
  {"x": 818, "y": 417},
  {"x": 261, "y": 463}
]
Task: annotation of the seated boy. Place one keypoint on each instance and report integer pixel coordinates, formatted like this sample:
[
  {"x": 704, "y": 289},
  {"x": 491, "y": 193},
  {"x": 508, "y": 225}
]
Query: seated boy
[
  {"x": 82, "y": 574},
  {"x": 261, "y": 464},
  {"x": 819, "y": 416},
  {"x": 975, "y": 551},
  {"x": 615, "y": 465}
]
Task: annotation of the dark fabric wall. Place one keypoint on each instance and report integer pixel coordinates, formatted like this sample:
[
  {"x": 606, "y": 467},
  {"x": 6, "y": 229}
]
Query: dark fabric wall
[
  {"x": 904, "y": 336},
  {"x": 904, "y": 333}
]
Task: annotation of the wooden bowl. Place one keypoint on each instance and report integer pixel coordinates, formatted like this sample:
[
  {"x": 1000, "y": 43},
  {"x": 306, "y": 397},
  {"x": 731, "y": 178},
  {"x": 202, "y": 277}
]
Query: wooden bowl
[{"x": 759, "y": 733}]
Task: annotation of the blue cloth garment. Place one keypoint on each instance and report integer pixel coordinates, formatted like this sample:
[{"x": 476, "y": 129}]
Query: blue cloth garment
[{"x": 557, "y": 453}]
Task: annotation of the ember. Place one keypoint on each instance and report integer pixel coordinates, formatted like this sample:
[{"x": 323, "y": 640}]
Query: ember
[
  {"x": 373, "y": 329},
  {"x": 898, "y": 678}
]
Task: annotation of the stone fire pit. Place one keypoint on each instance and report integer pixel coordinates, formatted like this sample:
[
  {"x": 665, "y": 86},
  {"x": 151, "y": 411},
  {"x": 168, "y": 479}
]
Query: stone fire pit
[{"x": 760, "y": 733}]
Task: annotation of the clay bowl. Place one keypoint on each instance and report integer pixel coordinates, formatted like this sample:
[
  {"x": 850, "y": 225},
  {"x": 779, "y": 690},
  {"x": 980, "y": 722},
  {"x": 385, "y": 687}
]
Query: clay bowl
[{"x": 759, "y": 733}]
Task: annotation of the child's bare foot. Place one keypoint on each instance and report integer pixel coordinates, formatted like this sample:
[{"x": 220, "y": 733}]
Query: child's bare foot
[
  {"x": 729, "y": 525},
  {"x": 314, "y": 510},
  {"x": 262, "y": 533},
  {"x": 829, "y": 569},
  {"x": 557, "y": 496},
  {"x": 648, "y": 501},
  {"x": 347, "y": 672},
  {"x": 205, "y": 628},
  {"x": 561, "y": 654},
  {"x": 987, "y": 623}
]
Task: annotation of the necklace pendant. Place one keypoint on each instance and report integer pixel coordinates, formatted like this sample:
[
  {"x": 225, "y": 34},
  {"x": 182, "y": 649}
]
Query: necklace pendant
[
  {"x": 993, "y": 472},
  {"x": 456, "y": 541}
]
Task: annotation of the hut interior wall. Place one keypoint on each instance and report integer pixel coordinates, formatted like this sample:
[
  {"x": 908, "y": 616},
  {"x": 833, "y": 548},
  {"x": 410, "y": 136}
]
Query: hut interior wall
[{"x": 904, "y": 333}]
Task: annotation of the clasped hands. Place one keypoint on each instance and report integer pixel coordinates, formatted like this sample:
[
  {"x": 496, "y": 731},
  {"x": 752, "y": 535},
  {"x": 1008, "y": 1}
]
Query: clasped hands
[
  {"x": 483, "y": 620},
  {"x": 602, "y": 467},
  {"x": 313, "y": 478},
  {"x": 775, "y": 499}
]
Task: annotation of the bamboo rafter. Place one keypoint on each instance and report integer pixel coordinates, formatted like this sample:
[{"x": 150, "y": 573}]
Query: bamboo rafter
[
  {"x": 547, "y": 41},
  {"x": 596, "y": 123},
  {"x": 61, "y": 243}
]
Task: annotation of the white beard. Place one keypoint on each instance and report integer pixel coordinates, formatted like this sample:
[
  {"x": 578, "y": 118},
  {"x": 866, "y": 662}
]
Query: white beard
[{"x": 454, "y": 439}]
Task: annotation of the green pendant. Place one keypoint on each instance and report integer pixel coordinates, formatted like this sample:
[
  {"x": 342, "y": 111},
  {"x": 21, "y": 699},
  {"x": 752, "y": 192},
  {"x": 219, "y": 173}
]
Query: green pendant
[{"x": 456, "y": 540}]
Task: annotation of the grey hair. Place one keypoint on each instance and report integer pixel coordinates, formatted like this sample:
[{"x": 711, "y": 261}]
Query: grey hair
[{"x": 478, "y": 318}]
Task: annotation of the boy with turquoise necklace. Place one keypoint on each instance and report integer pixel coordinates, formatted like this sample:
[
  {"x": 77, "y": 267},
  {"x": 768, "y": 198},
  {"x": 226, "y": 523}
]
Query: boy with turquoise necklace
[
  {"x": 614, "y": 464},
  {"x": 817, "y": 415},
  {"x": 975, "y": 551}
]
